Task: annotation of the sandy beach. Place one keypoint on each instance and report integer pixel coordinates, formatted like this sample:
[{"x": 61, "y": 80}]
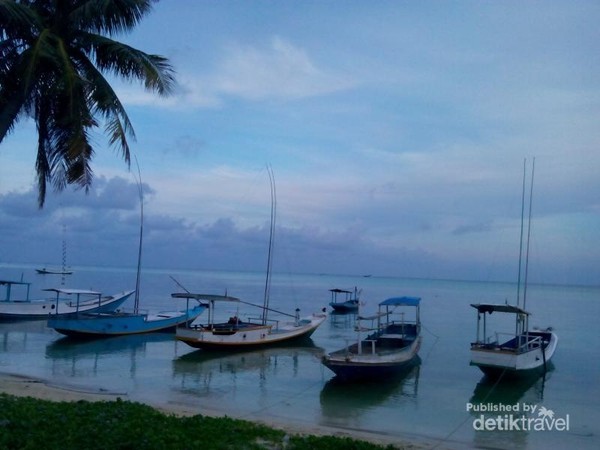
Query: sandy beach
[{"x": 25, "y": 386}]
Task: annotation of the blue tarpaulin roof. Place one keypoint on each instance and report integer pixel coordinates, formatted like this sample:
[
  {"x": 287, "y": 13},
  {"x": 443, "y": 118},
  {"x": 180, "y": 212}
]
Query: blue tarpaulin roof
[{"x": 397, "y": 301}]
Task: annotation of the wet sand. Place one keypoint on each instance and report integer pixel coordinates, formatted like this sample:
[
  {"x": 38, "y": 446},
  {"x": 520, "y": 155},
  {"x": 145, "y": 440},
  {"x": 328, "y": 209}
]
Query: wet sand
[{"x": 25, "y": 386}]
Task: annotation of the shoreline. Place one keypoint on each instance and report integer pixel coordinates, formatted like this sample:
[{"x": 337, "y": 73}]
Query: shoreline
[{"x": 19, "y": 385}]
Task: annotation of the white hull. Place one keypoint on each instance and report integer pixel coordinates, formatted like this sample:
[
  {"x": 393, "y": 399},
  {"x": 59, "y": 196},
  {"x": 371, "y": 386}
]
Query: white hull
[
  {"x": 40, "y": 309},
  {"x": 497, "y": 360},
  {"x": 347, "y": 364},
  {"x": 248, "y": 335}
]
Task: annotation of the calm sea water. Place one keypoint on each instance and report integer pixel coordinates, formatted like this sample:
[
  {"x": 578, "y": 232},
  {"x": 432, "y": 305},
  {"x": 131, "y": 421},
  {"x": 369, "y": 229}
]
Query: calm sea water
[{"x": 290, "y": 384}]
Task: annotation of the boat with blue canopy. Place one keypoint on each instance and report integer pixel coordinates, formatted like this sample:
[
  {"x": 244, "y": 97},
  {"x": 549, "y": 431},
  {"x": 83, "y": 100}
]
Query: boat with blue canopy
[{"x": 391, "y": 344}]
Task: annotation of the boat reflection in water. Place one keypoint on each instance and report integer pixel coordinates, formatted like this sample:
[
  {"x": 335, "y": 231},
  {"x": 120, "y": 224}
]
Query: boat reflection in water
[
  {"x": 84, "y": 358},
  {"x": 250, "y": 380},
  {"x": 342, "y": 320},
  {"x": 493, "y": 399},
  {"x": 343, "y": 403}
]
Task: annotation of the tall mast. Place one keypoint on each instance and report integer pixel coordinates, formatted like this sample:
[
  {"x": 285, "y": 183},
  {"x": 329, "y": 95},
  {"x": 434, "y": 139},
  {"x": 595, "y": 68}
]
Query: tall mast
[
  {"x": 136, "y": 304},
  {"x": 271, "y": 242},
  {"x": 528, "y": 236},
  {"x": 521, "y": 236}
]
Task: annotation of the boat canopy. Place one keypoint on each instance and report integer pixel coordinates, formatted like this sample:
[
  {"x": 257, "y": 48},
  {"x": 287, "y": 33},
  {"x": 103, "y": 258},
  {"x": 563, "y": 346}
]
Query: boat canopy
[
  {"x": 2, "y": 282},
  {"x": 72, "y": 291},
  {"x": 207, "y": 297},
  {"x": 490, "y": 308},
  {"x": 340, "y": 291},
  {"x": 401, "y": 301}
]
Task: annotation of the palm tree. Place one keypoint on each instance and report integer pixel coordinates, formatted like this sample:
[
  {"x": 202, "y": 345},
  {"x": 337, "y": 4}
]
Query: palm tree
[{"x": 53, "y": 54}]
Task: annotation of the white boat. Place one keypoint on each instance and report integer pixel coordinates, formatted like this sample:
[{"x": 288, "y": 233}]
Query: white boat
[
  {"x": 123, "y": 322},
  {"x": 66, "y": 302},
  {"x": 236, "y": 334},
  {"x": 520, "y": 352},
  {"x": 251, "y": 332},
  {"x": 390, "y": 347}
]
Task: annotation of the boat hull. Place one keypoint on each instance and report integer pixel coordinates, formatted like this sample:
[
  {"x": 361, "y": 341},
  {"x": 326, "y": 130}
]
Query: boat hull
[
  {"x": 42, "y": 309},
  {"x": 348, "y": 365},
  {"x": 121, "y": 324},
  {"x": 345, "y": 307},
  {"x": 249, "y": 335},
  {"x": 497, "y": 361}
]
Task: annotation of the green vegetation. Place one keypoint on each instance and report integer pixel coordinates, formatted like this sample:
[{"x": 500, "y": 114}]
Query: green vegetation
[
  {"x": 54, "y": 57},
  {"x": 27, "y": 423}
]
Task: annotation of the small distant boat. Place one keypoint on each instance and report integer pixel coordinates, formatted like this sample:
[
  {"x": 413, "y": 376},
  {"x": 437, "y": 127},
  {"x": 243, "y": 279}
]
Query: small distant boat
[
  {"x": 51, "y": 271},
  {"x": 349, "y": 302},
  {"x": 390, "y": 347},
  {"x": 236, "y": 334},
  {"x": 64, "y": 270},
  {"x": 522, "y": 352},
  {"x": 67, "y": 302}
]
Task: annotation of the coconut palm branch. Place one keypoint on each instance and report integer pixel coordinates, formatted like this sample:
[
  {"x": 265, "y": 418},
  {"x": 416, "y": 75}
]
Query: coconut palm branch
[{"x": 53, "y": 57}]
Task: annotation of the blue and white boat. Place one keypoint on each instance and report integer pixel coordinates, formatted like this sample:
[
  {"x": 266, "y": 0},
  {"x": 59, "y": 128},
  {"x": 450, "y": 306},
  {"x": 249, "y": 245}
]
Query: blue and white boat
[
  {"x": 66, "y": 302},
  {"x": 120, "y": 322},
  {"x": 349, "y": 302},
  {"x": 390, "y": 346}
]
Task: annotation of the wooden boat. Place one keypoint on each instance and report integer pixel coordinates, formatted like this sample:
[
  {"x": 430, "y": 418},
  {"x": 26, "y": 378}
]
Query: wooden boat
[
  {"x": 253, "y": 331},
  {"x": 67, "y": 302},
  {"x": 524, "y": 352},
  {"x": 521, "y": 352},
  {"x": 390, "y": 347},
  {"x": 348, "y": 304},
  {"x": 52, "y": 271},
  {"x": 123, "y": 322}
]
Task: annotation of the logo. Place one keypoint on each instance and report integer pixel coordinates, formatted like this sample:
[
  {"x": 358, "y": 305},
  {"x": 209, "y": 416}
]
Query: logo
[{"x": 517, "y": 417}]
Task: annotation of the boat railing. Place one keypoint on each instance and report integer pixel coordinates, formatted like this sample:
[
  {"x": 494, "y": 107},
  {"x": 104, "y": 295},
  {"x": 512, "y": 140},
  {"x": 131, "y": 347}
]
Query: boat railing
[
  {"x": 256, "y": 321},
  {"x": 129, "y": 311},
  {"x": 513, "y": 342}
]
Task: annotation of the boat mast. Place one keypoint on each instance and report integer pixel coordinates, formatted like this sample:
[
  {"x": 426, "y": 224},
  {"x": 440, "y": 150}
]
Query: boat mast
[
  {"x": 136, "y": 303},
  {"x": 64, "y": 254},
  {"x": 528, "y": 236},
  {"x": 521, "y": 237},
  {"x": 271, "y": 242}
]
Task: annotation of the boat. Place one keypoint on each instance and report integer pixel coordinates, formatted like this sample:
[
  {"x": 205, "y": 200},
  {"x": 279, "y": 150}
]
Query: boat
[
  {"x": 390, "y": 347},
  {"x": 124, "y": 322},
  {"x": 53, "y": 271},
  {"x": 252, "y": 332},
  {"x": 64, "y": 269},
  {"x": 348, "y": 304},
  {"x": 520, "y": 352},
  {"x": 66, "y": 302}
]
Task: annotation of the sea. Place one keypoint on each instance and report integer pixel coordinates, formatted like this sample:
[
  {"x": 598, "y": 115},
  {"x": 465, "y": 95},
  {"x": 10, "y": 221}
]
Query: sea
[{"x": 443, "y": 402}]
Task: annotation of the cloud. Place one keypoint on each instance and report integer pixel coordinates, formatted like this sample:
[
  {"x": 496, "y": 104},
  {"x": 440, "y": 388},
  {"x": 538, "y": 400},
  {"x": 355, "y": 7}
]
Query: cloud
[{"x": 278, "y": 71}]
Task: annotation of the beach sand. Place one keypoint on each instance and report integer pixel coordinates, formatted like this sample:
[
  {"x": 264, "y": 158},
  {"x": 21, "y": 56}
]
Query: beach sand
[{"x": 25, "y": 386}]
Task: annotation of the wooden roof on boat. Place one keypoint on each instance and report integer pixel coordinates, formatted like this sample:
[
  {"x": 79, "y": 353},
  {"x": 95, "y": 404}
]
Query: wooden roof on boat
[
  {"x": 491, "y": 307},
  {"x": 13, "y": 282},
  {"x": 72, "y": 291},
  {"x": 207, "y": 297}
]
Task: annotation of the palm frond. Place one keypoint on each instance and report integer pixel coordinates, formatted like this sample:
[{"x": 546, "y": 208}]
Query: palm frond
[
  {"x": 110, "y": 16},
  {"x": 127, "y": 62}
]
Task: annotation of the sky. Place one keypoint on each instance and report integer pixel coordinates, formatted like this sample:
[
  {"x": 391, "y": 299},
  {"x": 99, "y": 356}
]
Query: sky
[{"x": 397, "y": 133}]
